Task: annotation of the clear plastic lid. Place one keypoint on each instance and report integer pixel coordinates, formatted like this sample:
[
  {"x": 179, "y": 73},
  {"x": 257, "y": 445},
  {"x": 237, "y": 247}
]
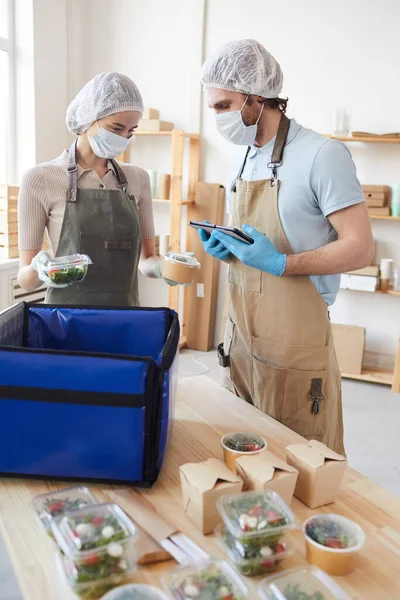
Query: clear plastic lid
[
  {"x": 242, "y": 441},
  {"x": 54, "y": 505},
  {"x": 307, "y": 583},
  {"x": 182, "y": 257},
  {"x": 66, "y": 262},
  {"x": 253, "y": 559},
  {"x": 135, "y": 591},
  {"x": 97, "y": 578},
  {"x": 251, "y": 515},
  {"x": 211, "y": 579},
  {"x": 102, "y": 530},
  {"x": 334, "y": 532}
]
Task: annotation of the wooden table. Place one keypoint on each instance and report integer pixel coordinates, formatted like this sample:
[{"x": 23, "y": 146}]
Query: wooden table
[{"x": 205, "y": 411}]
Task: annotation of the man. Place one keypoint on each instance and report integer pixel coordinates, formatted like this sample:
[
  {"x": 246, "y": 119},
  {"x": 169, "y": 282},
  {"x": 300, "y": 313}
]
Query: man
[{"x": 297, "y": 195}]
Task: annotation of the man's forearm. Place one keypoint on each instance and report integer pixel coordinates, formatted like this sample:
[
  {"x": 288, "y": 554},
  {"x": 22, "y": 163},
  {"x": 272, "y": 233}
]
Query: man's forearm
[{"x": 337, "y": 257}]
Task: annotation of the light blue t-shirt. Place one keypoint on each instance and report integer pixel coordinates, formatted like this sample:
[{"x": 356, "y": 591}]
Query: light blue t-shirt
[{"x": 317, "y": 178}]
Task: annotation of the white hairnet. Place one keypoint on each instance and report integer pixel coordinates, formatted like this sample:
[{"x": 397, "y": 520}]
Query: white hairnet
[
  {"x": 243, "y": 66},
  {"x": 104, "y": 95}
]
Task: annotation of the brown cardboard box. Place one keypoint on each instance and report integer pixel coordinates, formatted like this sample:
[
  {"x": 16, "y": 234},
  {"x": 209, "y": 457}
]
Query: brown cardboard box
[
  {"x": 349, "y": 346},
  {"x": 371, "y": 271},
  {"x": 381, "y": 212},
  {"x": 202, "y": 484},
  {"x": 376, "y": 189},
  {"x": 320, "y": 472},
  {"x": 151, "y": 113},
  {"x": 266, "y": 471}
]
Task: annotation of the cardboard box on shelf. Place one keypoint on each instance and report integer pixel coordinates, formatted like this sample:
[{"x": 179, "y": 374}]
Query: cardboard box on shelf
[
  {"x": 376, "y": 189},
  {"x": 151, "y": 113},
  {"x": 349, "y": 346},
  {"x": 320, "y": 470},
  {"x": 154, "y": 125},
  {"x": 266, "y": 471},
  {"x": 202, "y": 484},
  {"x": 362, "y": 283},
  {"x": 371, "y": 271}
]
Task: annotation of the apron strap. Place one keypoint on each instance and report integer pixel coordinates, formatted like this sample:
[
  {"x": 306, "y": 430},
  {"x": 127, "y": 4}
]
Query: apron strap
[
  {"x": 239, "y": 176},
  {"x": 122, "y": 182},
  {"x": 279, "y": 146},
  {"x": 72, "y": 169}
]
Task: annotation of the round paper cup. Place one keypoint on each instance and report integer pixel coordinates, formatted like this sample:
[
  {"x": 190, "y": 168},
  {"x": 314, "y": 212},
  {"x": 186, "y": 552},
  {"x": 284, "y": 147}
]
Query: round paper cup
[
  {"x": 335, "y": 561},
  {"x": 231, "y": 456}
]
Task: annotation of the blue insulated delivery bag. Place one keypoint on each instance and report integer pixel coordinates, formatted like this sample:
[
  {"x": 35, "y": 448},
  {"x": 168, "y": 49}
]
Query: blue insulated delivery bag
[{"x": 86, "y": 392}]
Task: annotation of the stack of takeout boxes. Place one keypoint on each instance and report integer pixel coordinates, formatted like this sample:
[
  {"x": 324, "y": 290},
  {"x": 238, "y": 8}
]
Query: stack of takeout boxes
[
  {"x": 377, "y": 198},
  {"x": 151, "y": 122}
]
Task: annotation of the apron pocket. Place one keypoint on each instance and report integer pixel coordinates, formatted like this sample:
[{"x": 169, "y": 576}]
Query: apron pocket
[
  {"x": 297, "y": 413},
  {"x": 268, "y": 388},
  {"x": 113, "y": 263},
  {"x": 283, "y": 377},
  {"x": 246, "y": 278}
]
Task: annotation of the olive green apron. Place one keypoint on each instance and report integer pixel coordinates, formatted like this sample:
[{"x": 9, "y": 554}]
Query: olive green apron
[
  {"x": 104, "y": 224},
  {"x": 278, "y": 351}
]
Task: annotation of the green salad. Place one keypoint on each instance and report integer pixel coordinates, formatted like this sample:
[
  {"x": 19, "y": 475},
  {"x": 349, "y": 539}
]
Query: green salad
[
  {"x": 254, "y": 559},
  {"x": 293, "y": 591},
  {"x": 210, "y": 583},
  {"x": 244, "y": 442},
  {"x": 256, "y": 519},
  {"x": 329, "y": 533},
  {"x": 68, "y": 275}
]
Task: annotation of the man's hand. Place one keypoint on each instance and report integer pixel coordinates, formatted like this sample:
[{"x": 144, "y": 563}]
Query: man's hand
[
  {"x": 212, "y": 246},
  {"x": 261, "y": 255}
]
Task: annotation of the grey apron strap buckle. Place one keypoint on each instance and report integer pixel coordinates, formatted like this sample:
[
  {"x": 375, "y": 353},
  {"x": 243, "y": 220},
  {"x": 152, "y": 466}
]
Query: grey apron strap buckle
[
  {"x": 316, "y": 395},
  {"x": 223, "y": 359},
  {"x": 72, "y": 169},
  {"x": 122, "y": 183}
]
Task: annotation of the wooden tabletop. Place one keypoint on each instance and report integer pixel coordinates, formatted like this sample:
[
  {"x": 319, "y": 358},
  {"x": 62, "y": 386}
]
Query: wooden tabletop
[{"x": 203, "y": 412}]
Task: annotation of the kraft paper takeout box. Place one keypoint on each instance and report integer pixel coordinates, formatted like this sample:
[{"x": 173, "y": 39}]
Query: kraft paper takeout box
[
  {"x": 320, "y": 470},
  {"x": 202, "y": 484},
  {"x": 266, "y": 471}
]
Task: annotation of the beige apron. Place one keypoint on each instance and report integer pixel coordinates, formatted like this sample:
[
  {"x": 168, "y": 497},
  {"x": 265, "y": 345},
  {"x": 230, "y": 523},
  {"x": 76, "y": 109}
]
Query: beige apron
[{"x": 278, "y": 349}]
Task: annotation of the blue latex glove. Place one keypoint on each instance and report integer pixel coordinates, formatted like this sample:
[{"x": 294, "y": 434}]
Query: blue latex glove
[
  {"x": 261, "y": 255},
  {"x": 212, "y": 246}
]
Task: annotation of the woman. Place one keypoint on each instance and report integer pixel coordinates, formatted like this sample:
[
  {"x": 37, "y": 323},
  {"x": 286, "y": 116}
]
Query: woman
[{"x": 90, "y": 204}]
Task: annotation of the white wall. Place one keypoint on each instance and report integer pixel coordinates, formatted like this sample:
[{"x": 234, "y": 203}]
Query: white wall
[{"x": 333, "y": 54}]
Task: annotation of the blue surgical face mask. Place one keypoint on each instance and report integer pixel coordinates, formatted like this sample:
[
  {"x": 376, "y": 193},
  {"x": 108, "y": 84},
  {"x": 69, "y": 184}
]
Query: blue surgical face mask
[
  {"x": 107, "y": 144},
  {"x": 231, "y": 126}
]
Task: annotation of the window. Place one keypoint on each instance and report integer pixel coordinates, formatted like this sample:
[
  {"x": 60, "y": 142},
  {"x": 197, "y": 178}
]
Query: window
[{"x": 6, "y": 92}]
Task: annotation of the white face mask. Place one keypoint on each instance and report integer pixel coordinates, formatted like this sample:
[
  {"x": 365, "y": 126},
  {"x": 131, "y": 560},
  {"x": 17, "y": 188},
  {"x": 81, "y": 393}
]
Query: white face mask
[
  {"x": 231, "y": 126},
  {"x": 107, "y": 144}
]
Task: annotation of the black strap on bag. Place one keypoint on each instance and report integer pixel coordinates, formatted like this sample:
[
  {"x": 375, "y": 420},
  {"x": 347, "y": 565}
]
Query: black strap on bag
[{"x": 223, "y": 358}]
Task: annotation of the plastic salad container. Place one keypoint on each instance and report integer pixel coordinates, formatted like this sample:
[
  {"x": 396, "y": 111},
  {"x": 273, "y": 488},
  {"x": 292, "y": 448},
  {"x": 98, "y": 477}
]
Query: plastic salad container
[
  {"x": 95, "y": 538},
  {"x": 54, "y": 505},
  {"x": 206, "y": 580},
  {"x": 251, "y": 561},
  {"x": 179, "y": 267},
  {"x": 333, "y": 543},
  {"x": 240, "y": 443},
  {"x": 67, "y": 269},
  {"x": 256, "y": 519},
  {"x": 93, "y": 580},
  {"x": 307, "y": 583},
  {"x": 135, "y": 591}
]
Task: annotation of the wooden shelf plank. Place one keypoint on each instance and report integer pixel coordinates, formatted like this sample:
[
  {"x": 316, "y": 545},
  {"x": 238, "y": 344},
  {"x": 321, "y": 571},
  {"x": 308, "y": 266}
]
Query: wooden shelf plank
[
  {"x": 365, "y": 140},
  {"x": 372, "y": 375},
  {"x": 388, "y": 293},
  {"x": 382, "y": 218},
  {"x": 161, "y": 201}
]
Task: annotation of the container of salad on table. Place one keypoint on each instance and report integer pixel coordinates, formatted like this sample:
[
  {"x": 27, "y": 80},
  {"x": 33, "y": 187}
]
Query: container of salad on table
[
  {"x": 241, "y": 443},
  {"x": 205, "y": 580},
  {"x": 66, "y": 270},
  {"x": 98, "y": 544},
  {"x": 252, "y": 560},
  {"x": 53, "y": 505},
  {"x": 333, "y": 543},
  {"x": 305, "y": 583},
  {"x": 135, "y": 591}
]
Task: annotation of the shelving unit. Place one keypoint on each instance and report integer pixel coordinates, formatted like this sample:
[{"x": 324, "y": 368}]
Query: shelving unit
[
  {"x": 176, "y": 202},
  {"x": 388, "y": 293},
  {"x": 373, "y": 374}
]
